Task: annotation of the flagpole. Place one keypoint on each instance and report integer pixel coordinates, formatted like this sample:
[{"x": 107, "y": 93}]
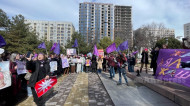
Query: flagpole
[
  {"x": 78, "y": 51},
  {"x": 46, "y": 52}
]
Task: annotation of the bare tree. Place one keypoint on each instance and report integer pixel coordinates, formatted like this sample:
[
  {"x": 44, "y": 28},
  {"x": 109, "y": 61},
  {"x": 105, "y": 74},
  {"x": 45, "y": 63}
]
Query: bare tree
[{"x": 146, "y": 36}]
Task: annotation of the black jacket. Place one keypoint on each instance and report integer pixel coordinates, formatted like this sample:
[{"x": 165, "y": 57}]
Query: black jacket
[
  {"x": 144, "y": 55},
  {"x": 34, "y": 67},
  {"x": 154, "y": 59}
]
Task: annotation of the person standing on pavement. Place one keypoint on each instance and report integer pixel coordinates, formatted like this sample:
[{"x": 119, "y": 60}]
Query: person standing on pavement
[
  {"x": 83, "y": 63},
  {"x": 94, "y": 64},
  {"x": 87, "y": 64},
  {"x": 111, "y": 63},
  {"x": 144, "y": 59},
  {"x": 131, "y": 63},
  {"x": 104, "y": 64},
  {"x": 121, "y": 59},
  {"x": 155, "y": 54},
  {"x": 40, "y": 70},
  {"x": 79, "y": 65},
  {"x": 100, "y": 61}
]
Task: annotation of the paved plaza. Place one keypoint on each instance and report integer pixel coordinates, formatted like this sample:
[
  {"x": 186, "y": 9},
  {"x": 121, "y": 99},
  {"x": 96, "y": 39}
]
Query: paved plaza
[{"x": 91, "y": 89}]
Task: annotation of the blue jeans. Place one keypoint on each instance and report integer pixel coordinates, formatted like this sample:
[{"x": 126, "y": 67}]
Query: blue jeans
[
  {"x": 131, "y": 68},
  {"x": 112, "y": 72},
  {"x": 82, "y": 66},
  {"x": 29, "y": 91},
  {"x": 99, "y": 70},
  {"x": 123, "y": 72}
]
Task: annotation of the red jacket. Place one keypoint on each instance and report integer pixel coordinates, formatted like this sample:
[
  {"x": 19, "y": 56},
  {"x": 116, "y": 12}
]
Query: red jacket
[
  {"x": 121, "y": 61},
  {"x": 111, "y": 61}
]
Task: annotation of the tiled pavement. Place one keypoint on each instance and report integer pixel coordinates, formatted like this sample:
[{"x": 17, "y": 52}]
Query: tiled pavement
[
  {"x": 29, "y": 100},
  {"x": 98, "y": 95},
  {"x": 59, "y": 96},
  {"x": 84, "y": 89},
  {"x": 79, "y": 93}
]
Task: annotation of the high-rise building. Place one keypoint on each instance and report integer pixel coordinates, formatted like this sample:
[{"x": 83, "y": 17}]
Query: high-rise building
[
  {"x": 96, "y": 20},
  {"x": 53, "y": 31},
  {"x": 187, "y": 30},
  {"x": 123, "y": 23}
]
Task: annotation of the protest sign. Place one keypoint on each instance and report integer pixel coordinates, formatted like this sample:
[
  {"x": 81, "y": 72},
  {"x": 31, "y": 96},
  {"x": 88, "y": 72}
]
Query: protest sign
[
  {"x": 21, "y": 67},
  {"x": 53, "y": 66},
  {"x": 5, "y": 77},
  {"x": 43, "y": 85},
  {"x": 65, "y": 63},
  {"x": 71, "y": 51}
]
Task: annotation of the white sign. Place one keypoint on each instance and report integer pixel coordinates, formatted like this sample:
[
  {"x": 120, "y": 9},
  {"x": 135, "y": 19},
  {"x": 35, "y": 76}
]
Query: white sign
[
  {"x": 53, "y": 66},
  {"x": 5, "y": 77},
  {"x": 71, "y": 51}
]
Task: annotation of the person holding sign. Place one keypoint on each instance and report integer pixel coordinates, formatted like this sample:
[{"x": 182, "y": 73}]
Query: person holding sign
[
  {"x": 16, "y": 82},
  {"x": 40, "y": 70},
  {"x": 21, "y": 71}
]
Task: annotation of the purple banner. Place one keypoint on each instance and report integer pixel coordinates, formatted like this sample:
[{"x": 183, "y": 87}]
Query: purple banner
[{"x": 169, "y": 66}]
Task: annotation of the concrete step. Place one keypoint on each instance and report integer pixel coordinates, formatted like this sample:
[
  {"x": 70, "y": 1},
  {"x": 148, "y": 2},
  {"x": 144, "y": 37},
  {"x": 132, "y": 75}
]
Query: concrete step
[{"x": 175, "y": 92}]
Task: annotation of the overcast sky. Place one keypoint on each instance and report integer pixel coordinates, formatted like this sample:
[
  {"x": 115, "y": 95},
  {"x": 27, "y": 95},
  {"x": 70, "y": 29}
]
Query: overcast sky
[{"x": 173, "y": 13}]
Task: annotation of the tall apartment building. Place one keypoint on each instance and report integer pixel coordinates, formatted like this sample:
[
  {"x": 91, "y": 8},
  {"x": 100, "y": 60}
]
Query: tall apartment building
[
  {"x": 123, "y": 23},
  {"x": 96, "y": 20},
  {"x": 53, "y": 31},
  {"x": 187, "y": 30}
]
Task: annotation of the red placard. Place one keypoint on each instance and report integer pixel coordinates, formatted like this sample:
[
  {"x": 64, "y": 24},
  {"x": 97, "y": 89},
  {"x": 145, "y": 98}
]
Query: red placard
[{"x": 43, "y": 85}]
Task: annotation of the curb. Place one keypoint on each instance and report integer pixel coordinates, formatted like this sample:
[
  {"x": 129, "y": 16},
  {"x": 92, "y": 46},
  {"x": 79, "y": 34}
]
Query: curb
[
  {"x": 181, "y": 97},
  {"x": 105, "y": 87}
]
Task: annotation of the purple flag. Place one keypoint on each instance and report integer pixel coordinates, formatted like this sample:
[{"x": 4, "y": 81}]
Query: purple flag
[
  {"x": 2, "y": 41},
  {"x": 95, "y": 51},
  {"x": 117, "y": 50},
  {"x": 53, "y": 47},
  {"x": 111, "y": 48},
  {"x": 76, "y": 43},
  {"x": 42, "y": 46},
  {"x": 123, "y": 46},
  {"x": 169, "y": 66},
  {"x": 57, "y": 49},
  {"x": 135, "y": 52}
]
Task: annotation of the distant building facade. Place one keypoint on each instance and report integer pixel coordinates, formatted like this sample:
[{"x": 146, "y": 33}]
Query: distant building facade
[
  {"x": 162, "y": 33},
  {"x": 54, "y": 31},
  {"x": 187, "y": 30},
  {"x": 123, "y": 23},
  {"x": 96, "y": 20}
]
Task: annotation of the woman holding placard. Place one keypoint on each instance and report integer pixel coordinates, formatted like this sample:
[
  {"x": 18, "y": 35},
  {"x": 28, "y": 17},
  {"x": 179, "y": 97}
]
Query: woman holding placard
[{"x": 40, "y": 70}]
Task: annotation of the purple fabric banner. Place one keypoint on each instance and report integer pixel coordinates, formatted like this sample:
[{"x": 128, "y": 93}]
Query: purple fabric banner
[
  {"x": 111, "y": 48},
  {"x": 169, "y": 66}
]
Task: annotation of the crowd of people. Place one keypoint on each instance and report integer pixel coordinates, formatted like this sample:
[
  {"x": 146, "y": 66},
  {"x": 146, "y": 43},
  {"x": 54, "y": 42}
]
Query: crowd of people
[{"x": 38, "y": 68}]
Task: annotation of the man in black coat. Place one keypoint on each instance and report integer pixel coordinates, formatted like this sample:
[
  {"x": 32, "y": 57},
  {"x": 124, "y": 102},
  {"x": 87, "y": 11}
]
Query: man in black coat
[
  {"x": 144, "y": 60},
  {"x": 154, "y": 54}
]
